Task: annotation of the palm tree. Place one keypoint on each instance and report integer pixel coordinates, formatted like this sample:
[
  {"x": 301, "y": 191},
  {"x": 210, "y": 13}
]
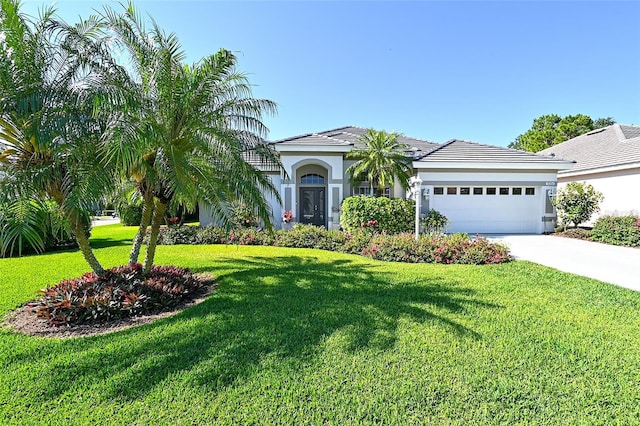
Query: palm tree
[
  {"x": 185, "y": 131},
  {"x": 381, "y": 161},
  {"x": 48, "y": 135}
]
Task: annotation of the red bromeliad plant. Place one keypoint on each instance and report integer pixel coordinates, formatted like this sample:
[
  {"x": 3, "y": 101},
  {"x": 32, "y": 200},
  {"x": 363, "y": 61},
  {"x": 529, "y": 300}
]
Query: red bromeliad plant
[{"x": 123, "y": 291}]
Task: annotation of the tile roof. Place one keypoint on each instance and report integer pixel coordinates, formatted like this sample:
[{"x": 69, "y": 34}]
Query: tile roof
[
  {"x": 471, "y": 152},
  {"x": 615, "y": 145},
  {"x": 348, "y": 135}
]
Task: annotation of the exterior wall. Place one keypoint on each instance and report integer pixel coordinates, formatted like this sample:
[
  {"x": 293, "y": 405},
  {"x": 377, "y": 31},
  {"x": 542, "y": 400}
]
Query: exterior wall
[
  {"x": 206, "y": 218},
  {"x": 493, "y": 213},
  {"x": 620, "y": 190}
]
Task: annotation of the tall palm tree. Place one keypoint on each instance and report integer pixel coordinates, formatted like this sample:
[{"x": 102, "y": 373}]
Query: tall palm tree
[
  {"x": 48, "y": 135},
  {"x": 381, "y": 161},
  {"x": 185, "y": 131}
]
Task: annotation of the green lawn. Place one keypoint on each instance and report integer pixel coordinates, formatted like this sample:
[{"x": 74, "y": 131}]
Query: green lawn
[{"x": 304, "y": 336}]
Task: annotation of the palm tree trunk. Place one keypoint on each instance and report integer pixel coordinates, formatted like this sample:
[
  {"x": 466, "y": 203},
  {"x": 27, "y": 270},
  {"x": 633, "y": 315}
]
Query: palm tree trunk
[
  {"x": 147, "y": 210},
  {"x": 158, "y": 216},
  {"x": 85, "y": 247}
]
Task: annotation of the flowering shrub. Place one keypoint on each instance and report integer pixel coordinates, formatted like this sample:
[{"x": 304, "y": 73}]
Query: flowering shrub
[
  {"x": 618, "y": 230},
  {"x": 456, "y": 248},
  {"x": 123, "y": 291}
]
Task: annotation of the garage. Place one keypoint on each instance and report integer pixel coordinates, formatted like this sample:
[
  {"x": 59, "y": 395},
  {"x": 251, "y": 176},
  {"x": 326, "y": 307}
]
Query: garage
[{"x": 485, "y": 189}]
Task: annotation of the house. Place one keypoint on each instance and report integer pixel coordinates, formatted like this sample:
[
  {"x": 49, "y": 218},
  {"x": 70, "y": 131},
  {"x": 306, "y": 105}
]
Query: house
[
  {"x": 480, "y": 188},
  {"x": 609, "y": 160}
]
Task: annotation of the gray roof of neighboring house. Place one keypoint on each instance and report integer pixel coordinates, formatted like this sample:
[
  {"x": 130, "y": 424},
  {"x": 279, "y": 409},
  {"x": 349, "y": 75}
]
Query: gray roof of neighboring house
[
  {"x": 615, "y": 145},
  {"x": 472, "y": 152}
]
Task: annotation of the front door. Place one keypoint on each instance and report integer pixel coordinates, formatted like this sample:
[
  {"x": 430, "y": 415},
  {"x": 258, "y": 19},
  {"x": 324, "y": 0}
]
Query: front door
[{"x": 312, "y": 206}]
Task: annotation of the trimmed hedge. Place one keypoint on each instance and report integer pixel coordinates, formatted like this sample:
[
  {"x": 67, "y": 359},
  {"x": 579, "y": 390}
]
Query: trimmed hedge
[
  {"x": 617, "y": 230},
  {"x": 456, "y": 248},
  {"x": 378, "y": 214}
]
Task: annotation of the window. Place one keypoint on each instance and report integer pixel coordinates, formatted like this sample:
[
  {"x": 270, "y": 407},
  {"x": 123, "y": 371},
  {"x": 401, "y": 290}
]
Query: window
[
  {"x": 530, "y": 191},
  {"x": 438, "y": 190},
  {"x": 465, "y": 191},
  {"x": 477, "y": 191},
  {"x": 504, "y": 191},
  {"x": 312, "y": 178},
  {"x": 516, "y": 191},
  {"x": 491, "y": 191},
  {"x": 452, "y": 190},
  {"x": 366, "y": 190}
]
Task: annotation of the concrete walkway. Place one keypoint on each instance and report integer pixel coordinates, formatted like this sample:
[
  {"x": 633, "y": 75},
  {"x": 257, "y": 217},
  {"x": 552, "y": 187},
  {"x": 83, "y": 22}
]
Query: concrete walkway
[
  {"x": 612, "y": 264},
  {"x": 109, "y": 221}
]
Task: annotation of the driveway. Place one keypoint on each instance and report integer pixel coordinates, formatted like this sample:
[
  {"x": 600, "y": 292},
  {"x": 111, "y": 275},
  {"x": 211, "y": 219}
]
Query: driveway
[{"x": 612, "y": 264}]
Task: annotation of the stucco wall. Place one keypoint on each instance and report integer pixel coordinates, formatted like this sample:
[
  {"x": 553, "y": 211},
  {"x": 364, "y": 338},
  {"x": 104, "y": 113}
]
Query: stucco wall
[{"x": 621, "y": 190}]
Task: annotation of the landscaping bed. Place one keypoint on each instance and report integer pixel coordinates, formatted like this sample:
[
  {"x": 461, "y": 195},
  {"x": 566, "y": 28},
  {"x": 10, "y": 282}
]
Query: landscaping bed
[
  {"x": 447, "y": 249},
  {"x": 615, "y": 230}
]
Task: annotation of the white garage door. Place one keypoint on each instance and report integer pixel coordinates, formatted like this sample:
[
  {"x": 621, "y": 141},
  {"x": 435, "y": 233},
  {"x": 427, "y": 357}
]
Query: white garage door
[{"x": 486, "y": 210}]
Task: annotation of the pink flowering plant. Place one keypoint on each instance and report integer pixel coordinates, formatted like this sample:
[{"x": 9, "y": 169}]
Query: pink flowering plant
[{"x": 287, "y": 216}]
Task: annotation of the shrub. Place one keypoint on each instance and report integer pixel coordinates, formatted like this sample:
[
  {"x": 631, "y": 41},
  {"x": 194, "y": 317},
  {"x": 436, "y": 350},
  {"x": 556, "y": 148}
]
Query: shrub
[
  {"x": 211, "y": 235},
  {"x": 356, "y": 242},
  {"x": 577, "y": 233},
  {"x": 434, "y": 222},
  {"x": 250, "y": 237},
  {"x": 456, "y": 248},
  {"x": 618, "y": 230},
  {"x": 242, "y": 216},
  {"x": 183, "y": 234},
  {"x": 301, "y": 236},
  {"x": 393, "y": 216},
  {"x": 123, "y": 291},
  {"x": 130, "y": 213},
  {"x": 577, "y": 202}
]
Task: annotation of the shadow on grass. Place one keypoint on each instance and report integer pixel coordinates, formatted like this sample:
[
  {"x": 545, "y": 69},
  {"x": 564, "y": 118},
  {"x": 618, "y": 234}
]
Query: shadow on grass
[
  {"x": 282, "y": 307},
  {"x": 98, "y": 243}
]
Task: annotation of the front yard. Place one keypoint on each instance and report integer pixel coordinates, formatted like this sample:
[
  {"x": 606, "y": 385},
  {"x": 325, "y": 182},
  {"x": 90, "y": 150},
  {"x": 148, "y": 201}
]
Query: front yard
[{"x": 307, "y": 336}]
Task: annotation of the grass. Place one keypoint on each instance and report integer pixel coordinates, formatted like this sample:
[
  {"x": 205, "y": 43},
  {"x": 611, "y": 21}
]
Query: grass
[{"x": 300, "y": 336}]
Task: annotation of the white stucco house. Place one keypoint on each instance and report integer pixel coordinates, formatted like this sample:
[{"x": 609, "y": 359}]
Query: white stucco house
[
  {"x": 608, "y": 159},
  {"x": 480, "y": 188}
]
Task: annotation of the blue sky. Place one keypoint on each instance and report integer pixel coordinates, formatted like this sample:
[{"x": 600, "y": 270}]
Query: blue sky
[{"x": 480, "y": 71}]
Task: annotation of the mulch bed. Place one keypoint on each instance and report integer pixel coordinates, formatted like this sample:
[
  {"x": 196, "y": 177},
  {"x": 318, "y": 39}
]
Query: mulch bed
[{"x": 25, "y": 321}]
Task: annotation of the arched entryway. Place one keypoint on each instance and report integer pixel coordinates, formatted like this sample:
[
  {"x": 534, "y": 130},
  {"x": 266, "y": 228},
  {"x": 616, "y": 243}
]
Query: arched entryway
[{"x": 312, "y": 194}]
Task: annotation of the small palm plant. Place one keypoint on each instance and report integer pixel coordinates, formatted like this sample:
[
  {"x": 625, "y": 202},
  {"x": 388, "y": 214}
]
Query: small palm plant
[
  {"x": 381, "y": 161},
  {"x": 184, "y": 132},
  {"x": 49, "y": 150}
]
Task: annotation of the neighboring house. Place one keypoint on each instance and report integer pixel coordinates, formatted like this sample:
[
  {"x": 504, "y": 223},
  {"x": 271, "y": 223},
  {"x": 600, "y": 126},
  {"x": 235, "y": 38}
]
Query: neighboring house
[
  {"x": 608, "y": 159},
  {"x": 480, "y": 188}
]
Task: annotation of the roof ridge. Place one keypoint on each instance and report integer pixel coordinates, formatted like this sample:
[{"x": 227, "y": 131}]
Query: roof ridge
[
  {"x": 619, "y": 133},
  {"x": 332, "y": 137},
  {"x": 437, "y": 148}
]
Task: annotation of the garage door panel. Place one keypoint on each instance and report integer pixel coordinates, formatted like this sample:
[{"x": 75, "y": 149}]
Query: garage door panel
[{"x": 489, "y": 213}]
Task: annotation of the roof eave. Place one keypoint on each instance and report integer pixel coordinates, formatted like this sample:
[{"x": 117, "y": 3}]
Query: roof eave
[{"x": 483, "y": 165}]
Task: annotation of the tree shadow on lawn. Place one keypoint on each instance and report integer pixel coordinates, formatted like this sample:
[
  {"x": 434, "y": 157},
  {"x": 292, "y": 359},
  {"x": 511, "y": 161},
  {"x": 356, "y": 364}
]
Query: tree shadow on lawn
[{"x": 283, "y": 307}]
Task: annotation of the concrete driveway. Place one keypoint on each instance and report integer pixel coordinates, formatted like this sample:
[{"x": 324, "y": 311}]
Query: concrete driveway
[{"x": 612, "y": 264}]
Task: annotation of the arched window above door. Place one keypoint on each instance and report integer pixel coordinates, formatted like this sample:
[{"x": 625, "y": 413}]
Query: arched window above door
[{"x": 312, "y": 178}]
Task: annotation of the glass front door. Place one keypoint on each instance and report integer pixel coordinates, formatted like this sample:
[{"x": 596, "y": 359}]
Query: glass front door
[{"x": 312, "y": 206}]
